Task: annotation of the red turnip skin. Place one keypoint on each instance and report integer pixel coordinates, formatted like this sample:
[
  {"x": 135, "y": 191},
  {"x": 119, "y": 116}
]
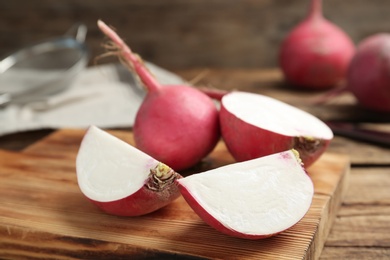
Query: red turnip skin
[
  {"x": 151, "y": 197},
  {"x": 177, "y": 135},
  {"x": 120, "y": 179},
  {"x": 253, "y": 199},
  {"x": 178, "y": 125},
  {"x": 369, "y": 73},
  {"x": 316, "y": 53},
  {"x": 253, "y": 126}
]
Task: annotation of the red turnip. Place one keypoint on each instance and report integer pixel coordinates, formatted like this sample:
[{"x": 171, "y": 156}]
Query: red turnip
[
  {"x": 253, "y": 199},
  {"x": 120, "y": 179},
  {"x": 316, "y": 53},
  {"x": 368, "y": 76},
  {"x": 254, "y": 125},
  {"x": 177, "y": 125}
]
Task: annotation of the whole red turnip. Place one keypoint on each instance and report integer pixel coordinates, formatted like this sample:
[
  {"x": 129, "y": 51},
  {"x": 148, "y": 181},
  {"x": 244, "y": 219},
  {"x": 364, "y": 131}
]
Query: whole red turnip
[
  {"x": 316, "y": 53},
  {"x": 368, "y": 76},
  {"x": 176, "y": 124}
]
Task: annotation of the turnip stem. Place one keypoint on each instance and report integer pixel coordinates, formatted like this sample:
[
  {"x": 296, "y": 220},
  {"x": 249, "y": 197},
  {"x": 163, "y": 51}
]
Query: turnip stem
[
  {"x": 131, "y": 59},
  {"x": 315, "y": 9}
]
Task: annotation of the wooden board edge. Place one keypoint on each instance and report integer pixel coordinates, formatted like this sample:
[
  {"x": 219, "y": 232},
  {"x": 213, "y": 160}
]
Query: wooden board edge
[{"x": 329, "y": 214}]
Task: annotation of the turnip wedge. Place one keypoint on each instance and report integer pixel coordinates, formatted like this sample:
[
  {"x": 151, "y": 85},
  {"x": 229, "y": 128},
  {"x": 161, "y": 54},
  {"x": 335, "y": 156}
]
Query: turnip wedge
[
  {"x": 254, "y": 125},
  {"x": 254, "y": 199},
  {"x": 120, "y": 179}
]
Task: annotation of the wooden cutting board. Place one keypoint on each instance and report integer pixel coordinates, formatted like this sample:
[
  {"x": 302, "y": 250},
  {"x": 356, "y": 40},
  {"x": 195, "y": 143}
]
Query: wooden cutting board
[{"x": 43, "y": 214}]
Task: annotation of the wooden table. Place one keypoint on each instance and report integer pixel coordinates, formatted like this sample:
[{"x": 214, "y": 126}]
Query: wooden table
[{"x": 362, "y": 226}]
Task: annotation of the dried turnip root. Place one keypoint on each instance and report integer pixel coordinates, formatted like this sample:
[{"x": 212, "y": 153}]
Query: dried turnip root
[
  {"x": 176, "y": 124},
  {"x": 254, "y": 125},
  {"x": 120, "y": 179},
  {"x": 254, "y": 199},
  {"x": 316, "y": 53}
]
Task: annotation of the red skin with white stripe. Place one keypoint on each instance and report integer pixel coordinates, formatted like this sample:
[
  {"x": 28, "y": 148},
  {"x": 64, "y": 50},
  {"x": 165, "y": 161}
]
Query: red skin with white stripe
[{"x": 142, "y": 202}]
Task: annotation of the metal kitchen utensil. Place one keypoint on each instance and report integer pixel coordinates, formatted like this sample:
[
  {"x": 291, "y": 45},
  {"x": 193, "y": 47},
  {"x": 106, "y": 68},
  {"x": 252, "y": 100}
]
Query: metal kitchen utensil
[{"x": 44, "y": 68}]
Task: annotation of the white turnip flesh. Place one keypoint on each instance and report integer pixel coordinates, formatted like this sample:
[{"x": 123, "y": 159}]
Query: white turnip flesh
[{"x": 254, "y": 199}]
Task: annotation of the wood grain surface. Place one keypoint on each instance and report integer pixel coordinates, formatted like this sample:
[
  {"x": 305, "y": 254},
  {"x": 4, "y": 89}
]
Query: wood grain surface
[{"x": 44, "y": 215}]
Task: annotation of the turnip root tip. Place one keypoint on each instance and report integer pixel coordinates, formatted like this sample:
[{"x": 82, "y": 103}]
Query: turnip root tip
[
  {"x": 132, "y": 60},
  {"x": 161, "y": 176}
]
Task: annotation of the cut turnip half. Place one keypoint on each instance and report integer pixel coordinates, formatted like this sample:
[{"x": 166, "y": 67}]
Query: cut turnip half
[
  {"x": 254, "y": 199},
  {"x": 120, "y": 179},
  {"x": 254, "y": 125}
]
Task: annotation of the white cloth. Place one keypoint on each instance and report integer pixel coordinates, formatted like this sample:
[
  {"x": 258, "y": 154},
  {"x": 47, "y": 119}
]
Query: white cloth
[{"x": 105, "y": 96}]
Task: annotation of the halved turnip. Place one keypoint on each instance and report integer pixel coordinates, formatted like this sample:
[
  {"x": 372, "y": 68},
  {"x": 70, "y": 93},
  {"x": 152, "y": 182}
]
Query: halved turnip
[
  {"x": 254, "y": 199},
  {"x": 120, "y": 179},
  {"x": 254, "y": 125}
]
